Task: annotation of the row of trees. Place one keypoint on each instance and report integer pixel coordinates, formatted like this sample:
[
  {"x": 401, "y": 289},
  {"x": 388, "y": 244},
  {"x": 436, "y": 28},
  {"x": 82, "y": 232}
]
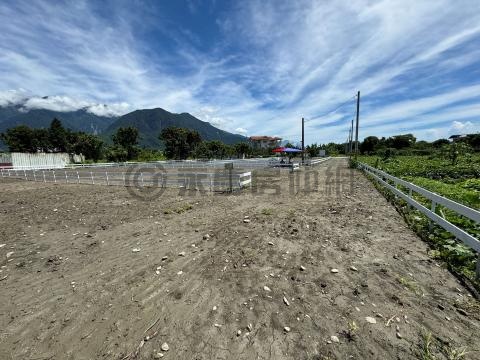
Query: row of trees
[
  {"x": 180, "y": 143},
  {"x": 53, "y": 139},
  {"x": 408, "y": 144}
]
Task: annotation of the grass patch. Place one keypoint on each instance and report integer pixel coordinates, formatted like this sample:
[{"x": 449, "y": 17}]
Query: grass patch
[
  {"x": 179, "y": 210},
  {"x": 267, "y": 211},
  {"x": 433, "y": 349},
  {"x": 410, "y": 285},
  {"x": 426, "y": 352}
]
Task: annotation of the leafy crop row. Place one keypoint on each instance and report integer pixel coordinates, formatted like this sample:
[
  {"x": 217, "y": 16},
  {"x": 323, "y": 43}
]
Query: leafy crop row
[{"x": 460, "y": 183}]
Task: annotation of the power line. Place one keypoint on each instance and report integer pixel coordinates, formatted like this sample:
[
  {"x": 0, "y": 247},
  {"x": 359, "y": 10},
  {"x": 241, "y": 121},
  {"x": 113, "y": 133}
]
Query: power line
[{"x": 332, "y": 111}]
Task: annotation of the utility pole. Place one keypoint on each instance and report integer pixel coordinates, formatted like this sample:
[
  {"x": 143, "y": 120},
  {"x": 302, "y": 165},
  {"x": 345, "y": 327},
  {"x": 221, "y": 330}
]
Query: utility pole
[
  {"x": 303, "y": 141},
  {"x": 356, "y": 132}
]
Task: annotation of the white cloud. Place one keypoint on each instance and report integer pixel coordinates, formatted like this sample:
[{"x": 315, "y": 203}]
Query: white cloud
[
  {"x": 275, "y": 63},
  {"x": 55, "y": 103},
  {"x": 109, "y": 110},
  {"x": 12, "y": 97},
  {"x": 466, "y": 127},
  {"x": 60, "y": 103},
  {"x": 241, "y": 131}
]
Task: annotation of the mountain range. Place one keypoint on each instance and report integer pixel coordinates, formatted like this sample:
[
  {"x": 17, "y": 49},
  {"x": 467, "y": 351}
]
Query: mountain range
[{"x": 149, "y": 123}]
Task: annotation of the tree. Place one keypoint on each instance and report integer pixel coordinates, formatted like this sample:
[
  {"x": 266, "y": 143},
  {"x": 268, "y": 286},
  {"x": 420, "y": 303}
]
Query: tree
[
  {"x": 440, "y": 142},
  {"x": 401, "y": 141},
  {"x": 213, "y": 150},
  {"x": 41, "y": 140},
  {"x": 369, "y": 144},
  {"x": 473, "y": 140},
  {"x": 116, "y": 153},
  {"x": 127, "y": 139},
  {"x": 242, "y": 149},
  {"x": 179, "y": 142},
  {"x": 87, "y": 144},
  {"x": 57, "y": 136},
  {"x": 20, "y": 139},
  {"x": 456, "y": 150},
  {"x": 312, "y": 150}
]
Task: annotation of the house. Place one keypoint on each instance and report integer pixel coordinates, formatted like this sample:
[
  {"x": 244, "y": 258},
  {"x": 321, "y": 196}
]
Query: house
[
  {"x": 455, "y": 138},
  {"x": 264, "y": 142}
]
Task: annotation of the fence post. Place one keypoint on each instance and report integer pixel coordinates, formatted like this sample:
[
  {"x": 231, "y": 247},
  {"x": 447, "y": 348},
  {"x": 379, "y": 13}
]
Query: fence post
[
  {"x": 66, "y": 177},
  {"x": 78, "y": 178},
  {"x": 106, "y": 176},
  {"x": 229, "y": 167},
  {"x": 25, "y": 174},
  {"x": 433, "y": 208},
  {"x": 124, "y": 182},
  {"x": 34, "y": 176},
  {"x": 141, "y": 176},
  {"x": 54, "y": 177},
  {"x": 43, "y": 171},
  {"x": 91, "y": 175}
]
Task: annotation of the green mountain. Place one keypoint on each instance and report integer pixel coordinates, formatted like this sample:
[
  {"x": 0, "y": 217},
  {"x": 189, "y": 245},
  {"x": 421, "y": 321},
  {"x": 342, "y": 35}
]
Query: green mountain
[
  {"x": 80, "y": 120},
  {"x": 150, "y": 123}
]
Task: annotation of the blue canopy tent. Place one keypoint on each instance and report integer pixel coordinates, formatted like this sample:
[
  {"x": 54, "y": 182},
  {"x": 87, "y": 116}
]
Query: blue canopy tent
[
  {"x": 287, "y": 151},
  {"x": 291, "y": 150}
]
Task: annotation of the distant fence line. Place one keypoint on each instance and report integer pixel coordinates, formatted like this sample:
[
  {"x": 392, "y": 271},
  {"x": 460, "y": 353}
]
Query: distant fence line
[
  {"x": 395, "y": 184},
  {"x": 238, "y": 163},
  {"x": 213, "y": 175},
  {"x": 143, "y": 177},
  {"x": 173, "y": 164}
]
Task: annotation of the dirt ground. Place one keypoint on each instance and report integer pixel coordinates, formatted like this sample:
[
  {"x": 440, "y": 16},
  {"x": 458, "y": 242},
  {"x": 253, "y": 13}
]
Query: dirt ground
[{"x": 94, "y": 272}]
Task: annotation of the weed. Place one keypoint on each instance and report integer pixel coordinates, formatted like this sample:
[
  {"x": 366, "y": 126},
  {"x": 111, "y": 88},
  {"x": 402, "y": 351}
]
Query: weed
[
  {"x": 410, "y": 285},
  {"x": 426, "y": 351},
  {"x": 456, "y": 354},
  {"x": 267, "y": 211},
  {"x": 179, "y": 210}
]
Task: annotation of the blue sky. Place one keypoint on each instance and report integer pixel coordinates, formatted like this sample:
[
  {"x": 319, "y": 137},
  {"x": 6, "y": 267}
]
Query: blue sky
[{"x": 252, "y": 67}]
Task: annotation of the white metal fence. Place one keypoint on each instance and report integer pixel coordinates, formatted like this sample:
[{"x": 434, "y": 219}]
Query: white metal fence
[
  {"x": 172, "y": 164},
  {"x": 392, "y": 183},
  {"x": 194, "y": 180}
]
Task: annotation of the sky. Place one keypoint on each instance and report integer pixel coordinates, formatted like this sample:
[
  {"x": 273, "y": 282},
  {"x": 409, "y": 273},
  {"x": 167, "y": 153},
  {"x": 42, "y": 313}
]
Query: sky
[{"x": 252, "y": 67}]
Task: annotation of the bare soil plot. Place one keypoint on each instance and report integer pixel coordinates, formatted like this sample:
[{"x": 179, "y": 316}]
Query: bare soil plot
[{"x": 92, "y": 272}]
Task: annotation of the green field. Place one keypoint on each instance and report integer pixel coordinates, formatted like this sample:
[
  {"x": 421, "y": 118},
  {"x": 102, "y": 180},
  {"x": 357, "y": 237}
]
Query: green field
[{"x": 459, "y": 182}]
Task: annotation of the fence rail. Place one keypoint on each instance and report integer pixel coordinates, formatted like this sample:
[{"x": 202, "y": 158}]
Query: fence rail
[
  {"x": 171, "y": 164},
  {"x": 313, "y": 162},
  {"x": 195, "y": 180},
  {"x": 435, "y": 199}
]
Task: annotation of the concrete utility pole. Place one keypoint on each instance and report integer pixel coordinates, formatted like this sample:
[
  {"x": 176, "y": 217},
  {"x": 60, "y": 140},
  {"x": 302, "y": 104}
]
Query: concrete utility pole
[
  {"x": 356, "y": 132},
  {"x": 303, "y": 140}
]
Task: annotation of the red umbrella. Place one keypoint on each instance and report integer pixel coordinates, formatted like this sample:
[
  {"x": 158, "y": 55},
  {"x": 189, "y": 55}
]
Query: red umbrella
[{"x": 279, "y": 150}]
